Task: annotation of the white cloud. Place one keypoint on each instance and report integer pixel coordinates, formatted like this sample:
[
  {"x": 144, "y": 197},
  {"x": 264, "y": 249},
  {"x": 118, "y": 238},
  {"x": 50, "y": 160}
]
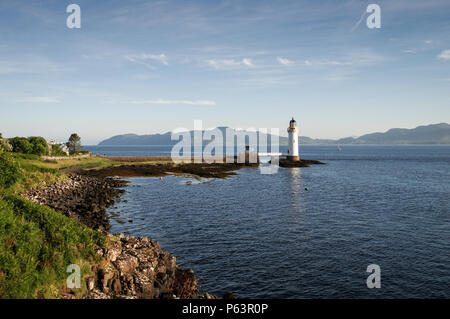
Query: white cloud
[
  {"x": 143, "y": 58},
  {"x": 38, "y": 99},
  {"x": 284, "y": 61},
  {"x": 179, "y": 102},
  {"x": 444, "y": 55},
  {"x": 230, "y": 63},
  {"x": 247, "y": 62},
  {"x": 327, "y": 62},
  {"x": 353, "y": 59},
  {"x": 161, "y": 58}
]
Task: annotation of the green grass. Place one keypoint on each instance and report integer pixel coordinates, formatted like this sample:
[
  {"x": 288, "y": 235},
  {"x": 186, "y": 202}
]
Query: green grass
[{"x": 37, "y": 243}]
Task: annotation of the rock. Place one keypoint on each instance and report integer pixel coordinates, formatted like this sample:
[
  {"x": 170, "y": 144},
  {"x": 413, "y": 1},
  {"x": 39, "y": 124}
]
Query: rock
[
  {"x": 84, "y": 198},
  {"x": 116, "y": 286},
  {"x": 126, "y": 264},
  {"x": 130, "y": 267},
  {"x": 90, "y": 283},
  {"x": 114, "y": 251}
]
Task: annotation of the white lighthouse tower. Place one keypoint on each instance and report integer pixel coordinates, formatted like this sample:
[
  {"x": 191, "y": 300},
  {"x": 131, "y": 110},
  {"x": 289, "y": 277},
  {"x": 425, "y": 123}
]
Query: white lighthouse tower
[{"x": 293, "y": 141}]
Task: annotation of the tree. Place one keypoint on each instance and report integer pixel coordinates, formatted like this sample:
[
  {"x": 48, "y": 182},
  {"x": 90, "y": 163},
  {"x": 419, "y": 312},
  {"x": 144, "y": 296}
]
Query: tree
[
  {"x": 40, "y": 146},
  {"x": 74, "y": 144},
  {"x": 21, "y": 145},
  {"x": 57, "y": 150}
]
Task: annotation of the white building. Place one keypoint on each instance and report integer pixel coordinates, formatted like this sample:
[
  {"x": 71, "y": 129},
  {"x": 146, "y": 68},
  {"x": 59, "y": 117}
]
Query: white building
[{"x": 63, "y": 146}]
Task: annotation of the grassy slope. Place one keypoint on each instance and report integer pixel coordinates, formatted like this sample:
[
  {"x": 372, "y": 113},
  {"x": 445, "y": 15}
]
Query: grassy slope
[{"x": 37, "y": 243}]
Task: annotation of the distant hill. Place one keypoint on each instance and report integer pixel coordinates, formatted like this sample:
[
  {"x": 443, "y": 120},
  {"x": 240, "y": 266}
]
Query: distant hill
[
  {"x": 429, "y": 134},
  {"x": 165, "y": 139}
]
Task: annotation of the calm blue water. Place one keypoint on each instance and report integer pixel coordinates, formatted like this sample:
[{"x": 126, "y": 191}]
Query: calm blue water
[{"x": 265, "y": 236}]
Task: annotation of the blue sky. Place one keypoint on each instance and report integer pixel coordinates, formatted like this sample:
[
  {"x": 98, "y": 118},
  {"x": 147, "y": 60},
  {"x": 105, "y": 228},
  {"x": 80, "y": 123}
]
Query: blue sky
[{"x": 152, "y": 66}]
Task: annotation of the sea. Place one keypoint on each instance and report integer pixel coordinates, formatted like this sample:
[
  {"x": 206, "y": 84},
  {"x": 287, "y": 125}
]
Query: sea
[{"x": 312, "y": 232}]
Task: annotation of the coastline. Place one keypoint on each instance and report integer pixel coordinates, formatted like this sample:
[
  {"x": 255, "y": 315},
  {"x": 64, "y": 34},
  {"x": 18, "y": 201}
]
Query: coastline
[{"x": 130, "y": 267}]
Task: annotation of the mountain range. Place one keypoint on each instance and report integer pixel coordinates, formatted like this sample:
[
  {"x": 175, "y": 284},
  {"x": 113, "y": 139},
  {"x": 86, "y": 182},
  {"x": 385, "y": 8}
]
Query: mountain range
[{"x": 427, "y": 134}]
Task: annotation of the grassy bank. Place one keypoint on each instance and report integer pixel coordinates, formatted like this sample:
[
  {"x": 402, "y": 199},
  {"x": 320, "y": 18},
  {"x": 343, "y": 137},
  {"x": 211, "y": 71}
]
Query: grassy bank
[{"x": 37, "y": 243}]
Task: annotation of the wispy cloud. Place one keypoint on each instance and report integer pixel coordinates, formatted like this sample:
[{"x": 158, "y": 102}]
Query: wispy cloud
[
  {"x": 284, "y": 61},
  {"x": 31, "y": 66},
  {"x": 327, "y": 62},
  {"x": 145, "y": 58},
  {"x": 38, "y": 99},
  {"x": 356, "y": 58},
  {"x": 176, "y": 102},
  {"x": 230, "y": 63},
  {"x": 444, "y": 55}
]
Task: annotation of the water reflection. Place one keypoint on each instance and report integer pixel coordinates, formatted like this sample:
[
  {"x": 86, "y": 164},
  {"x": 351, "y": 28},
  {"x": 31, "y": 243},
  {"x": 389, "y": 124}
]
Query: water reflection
[{"x": 296, "y": 188}]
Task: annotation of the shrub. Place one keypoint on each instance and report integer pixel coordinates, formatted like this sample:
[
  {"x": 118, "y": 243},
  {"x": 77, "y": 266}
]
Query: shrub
[
  {"x": 3, "y": 146},
  {"x": 21, "y": 145},
  {"x": 9, "y": 171},
  {"x": 33, "y": 145},
  {"x": 39, "y": 145},
  {"x": 57, "y": 150}
]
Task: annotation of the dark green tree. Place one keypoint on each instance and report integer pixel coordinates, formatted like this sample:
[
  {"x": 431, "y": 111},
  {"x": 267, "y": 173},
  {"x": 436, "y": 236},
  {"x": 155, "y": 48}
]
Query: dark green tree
[
  {"x": 74, "y": 144},
  {"x": 40, "y": 146},
  {"x": 21, "y": 145}
]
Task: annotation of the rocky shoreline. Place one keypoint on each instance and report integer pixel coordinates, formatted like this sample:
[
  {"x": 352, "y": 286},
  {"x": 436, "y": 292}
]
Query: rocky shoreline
[
  {"x": 137, "y": 268},
  {"x": 131, "y": 268},
  {"x": 213, "y": 170},
  {"x": 84, "y": 198},
  {"x": 301, "y": 163}
]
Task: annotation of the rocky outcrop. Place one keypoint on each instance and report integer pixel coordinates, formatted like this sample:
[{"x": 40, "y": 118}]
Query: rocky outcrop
[
  {"x": 299, "y": 163},
  {"x": 137, "y": 268},
  {"x": 205, "y": 170},
  {"x": 129, "y": 267},
  {"x": 84, "y": 198}
]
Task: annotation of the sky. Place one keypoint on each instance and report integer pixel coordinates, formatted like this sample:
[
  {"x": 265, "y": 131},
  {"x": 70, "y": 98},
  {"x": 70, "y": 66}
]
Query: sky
[{"x": 149, "y": 67}]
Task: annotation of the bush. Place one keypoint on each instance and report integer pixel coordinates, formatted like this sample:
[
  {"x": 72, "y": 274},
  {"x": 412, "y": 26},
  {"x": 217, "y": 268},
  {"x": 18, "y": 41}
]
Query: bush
[
  {"x": 9, "y": 171},
  {"x": 40, "y": 146},
  {"x": 33, "y": 145},
  {"x": 57, "y": 150},
  {"x": 3, "y": 146},
  {"x": 21, "y": 145}
]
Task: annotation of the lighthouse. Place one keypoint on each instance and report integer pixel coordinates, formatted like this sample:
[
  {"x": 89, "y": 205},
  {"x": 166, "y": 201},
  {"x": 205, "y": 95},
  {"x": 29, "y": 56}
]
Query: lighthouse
[{"x": 293, "y": 142}]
